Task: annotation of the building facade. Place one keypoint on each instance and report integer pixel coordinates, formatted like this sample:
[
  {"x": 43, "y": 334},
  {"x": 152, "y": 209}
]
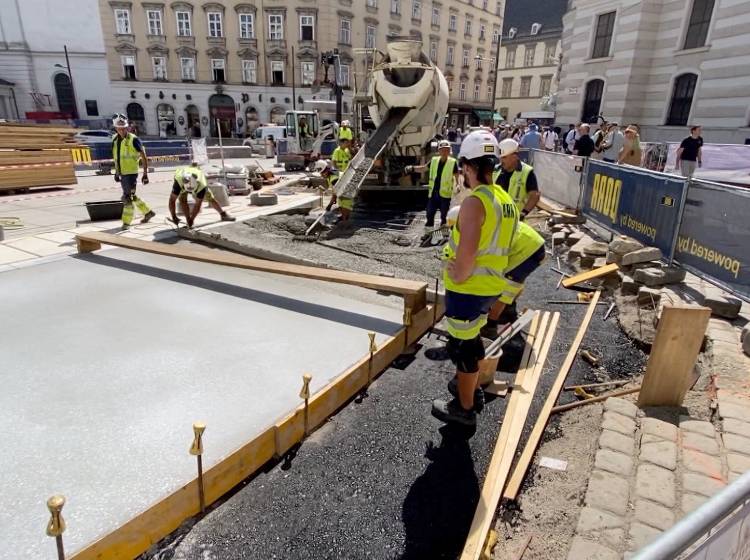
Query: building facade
[
  {"x": 185, "y": 65},
  {"x": 34, "y": 79},
  {"x": 662, "y": 64},
  {"x": 529, "y": 59}
]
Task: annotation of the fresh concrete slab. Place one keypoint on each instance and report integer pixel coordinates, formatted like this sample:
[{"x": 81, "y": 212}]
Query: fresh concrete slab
[{"x": 110, "y": 358}]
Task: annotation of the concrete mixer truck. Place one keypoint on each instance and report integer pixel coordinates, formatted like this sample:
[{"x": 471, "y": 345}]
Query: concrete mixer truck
[{"x": 407, "y": 101}]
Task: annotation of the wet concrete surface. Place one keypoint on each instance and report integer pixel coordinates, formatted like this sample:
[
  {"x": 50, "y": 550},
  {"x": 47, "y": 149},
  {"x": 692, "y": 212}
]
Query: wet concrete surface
[{"x": 383, "y": 479}]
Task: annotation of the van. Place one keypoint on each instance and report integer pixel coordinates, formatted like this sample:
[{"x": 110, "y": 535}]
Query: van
[{"x": 257, "y": 141}]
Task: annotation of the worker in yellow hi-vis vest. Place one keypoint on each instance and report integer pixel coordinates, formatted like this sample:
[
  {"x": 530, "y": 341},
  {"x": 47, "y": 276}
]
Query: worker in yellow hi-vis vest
[
  {"x": 476, "y": 257},
  {"x": 127, "y": 149},
  {"x": 340, "y": 158},
  {"x": 442, "y": 180},
  {"x": 517, "y": 178}
]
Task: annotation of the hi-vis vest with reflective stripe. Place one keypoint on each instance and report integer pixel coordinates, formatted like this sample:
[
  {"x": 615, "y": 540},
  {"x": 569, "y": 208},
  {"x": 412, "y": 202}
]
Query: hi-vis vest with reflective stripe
[
  {"x": 128, "y": 164},
  {"x": 498, "y": 229},
  {"x": 341, "y": 158},
  {"x": 446, "y": 179},
  {"x": 526, "y": 242},
  {"x": 517, "y": 186},
  {"x": 200, "y": 178},
  {"x": 345, "y": 133}
]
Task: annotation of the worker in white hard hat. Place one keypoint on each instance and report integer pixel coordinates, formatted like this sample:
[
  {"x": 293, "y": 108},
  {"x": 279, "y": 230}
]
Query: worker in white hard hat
[
  {"x": 190, "y": 179},
  {"x": 475, "y": 256},
  {"x": 517, "y": 178},
  {"x": 442, "y": 180},
  {"x": 345, "y": 131},
  {"x": 127, "y": 150}
]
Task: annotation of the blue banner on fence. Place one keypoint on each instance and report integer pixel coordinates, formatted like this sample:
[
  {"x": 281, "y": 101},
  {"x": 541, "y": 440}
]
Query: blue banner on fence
[
  {"x": 645, "y": 206},
  {"x": 714, "y": 237}
]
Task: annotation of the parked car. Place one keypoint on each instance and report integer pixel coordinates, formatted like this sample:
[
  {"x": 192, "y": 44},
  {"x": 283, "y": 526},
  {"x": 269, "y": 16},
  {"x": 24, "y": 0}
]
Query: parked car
[
  {"x": 257, "y": 141},
  {"x": 94, "y": 136}
]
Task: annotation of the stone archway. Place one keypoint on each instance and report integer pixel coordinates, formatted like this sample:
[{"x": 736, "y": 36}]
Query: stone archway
[
  {"x": 193, "y": 121},
  {"x": 136, "y": 117},
  {"x": 166, "y": 120},
  {"x": 252, "y": 119},
  {"x": 277, "y": 115},
  {"x": 64, "y": 93}
]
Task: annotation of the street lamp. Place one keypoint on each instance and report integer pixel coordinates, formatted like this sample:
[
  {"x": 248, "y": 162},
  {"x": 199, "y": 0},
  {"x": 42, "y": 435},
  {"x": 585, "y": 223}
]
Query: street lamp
[
  {"x": 70, "y": 77},
  {"x": 494, "y": 82}
]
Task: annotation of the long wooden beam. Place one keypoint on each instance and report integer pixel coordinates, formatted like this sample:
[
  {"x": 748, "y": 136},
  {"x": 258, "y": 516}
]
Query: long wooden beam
[
  {"x": 514, "y": 484},
  {"x": 91, "y": 241},
  {"x": 507, "y": 442}
]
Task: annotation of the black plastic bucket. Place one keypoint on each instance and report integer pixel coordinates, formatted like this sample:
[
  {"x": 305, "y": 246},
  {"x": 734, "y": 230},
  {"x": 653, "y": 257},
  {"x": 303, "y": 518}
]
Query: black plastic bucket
[{"x": 104, "y": 210}]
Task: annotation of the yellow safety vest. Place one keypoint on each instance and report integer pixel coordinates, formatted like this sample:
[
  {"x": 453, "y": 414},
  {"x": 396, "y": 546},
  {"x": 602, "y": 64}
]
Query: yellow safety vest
[
  {"x": 345, "y": 133},
  {"x": 517, "y": 187},
  {"x": 526, "y": 242},
  {"x": 341, "y": 158},
  {"x": 195, "y": 172},
  {"x": 128, "y": 163},
  {"x": 498, "y": 230},
  {"x": 446, "y": 179}
]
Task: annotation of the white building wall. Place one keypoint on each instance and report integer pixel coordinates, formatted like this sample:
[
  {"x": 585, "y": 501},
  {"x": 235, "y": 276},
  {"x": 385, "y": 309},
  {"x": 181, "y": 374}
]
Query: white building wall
[{"x": 32, "y": 36}]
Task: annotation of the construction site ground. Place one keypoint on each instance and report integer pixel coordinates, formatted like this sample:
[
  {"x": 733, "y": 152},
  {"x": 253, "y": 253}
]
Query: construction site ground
[{"x": 383, "y": 479}]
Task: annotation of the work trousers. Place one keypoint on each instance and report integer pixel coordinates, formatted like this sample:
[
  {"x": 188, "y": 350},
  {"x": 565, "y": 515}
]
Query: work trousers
[
  {"x": 128, "y": 183},
  {"x": 435, "y": 203}
]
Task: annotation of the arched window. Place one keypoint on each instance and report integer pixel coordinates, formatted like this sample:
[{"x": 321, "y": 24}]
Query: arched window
[
  {"x": 682, "y": 100},
  {"x": 64, "y": 94},
  {"x": 136, "y": 117},
  {"x": 592, "y": 101},
  {"x": 221, "y": 109}
]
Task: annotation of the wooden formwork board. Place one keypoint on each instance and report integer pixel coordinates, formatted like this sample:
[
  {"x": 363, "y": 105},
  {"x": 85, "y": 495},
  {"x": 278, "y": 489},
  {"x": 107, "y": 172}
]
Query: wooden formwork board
[{"x": 150, "y": 526}]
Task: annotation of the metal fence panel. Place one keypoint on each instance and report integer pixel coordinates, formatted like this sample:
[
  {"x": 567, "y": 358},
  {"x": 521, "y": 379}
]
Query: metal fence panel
[
  {"x": 642, "y": 204},
  {"x": 714, "y": 236},
  {"x": 557, "y": 176}
]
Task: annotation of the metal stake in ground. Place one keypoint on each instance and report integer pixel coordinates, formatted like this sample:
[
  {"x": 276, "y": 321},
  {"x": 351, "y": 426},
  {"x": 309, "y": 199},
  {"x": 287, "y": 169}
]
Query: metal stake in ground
[
  {"x": 305, "y": 394},
  {"x": 197, "y": 450},
  {"x": 373, "y": 349},
  {"x": 56, "y": 525}
]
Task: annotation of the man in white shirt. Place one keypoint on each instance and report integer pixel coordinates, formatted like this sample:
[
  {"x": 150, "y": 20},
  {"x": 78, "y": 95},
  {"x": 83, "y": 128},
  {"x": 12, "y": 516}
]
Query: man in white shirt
[
  {"x": 549, "y": 139},
  {"x": 613, "y": 143},
  {"x": 570, "y": 138}
]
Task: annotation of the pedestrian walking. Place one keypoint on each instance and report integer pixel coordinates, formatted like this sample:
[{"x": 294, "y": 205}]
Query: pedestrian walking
[
  {"x": 550, "y": 139},
  {"x": 127, "y": 150},
  {"x": 630, "y": 153},
  {"x": 689, "y": 154},
  {"x": 532, "y": 139},
  {"x": 570, "y": 138},
  {"x": 584, "y": 146}
]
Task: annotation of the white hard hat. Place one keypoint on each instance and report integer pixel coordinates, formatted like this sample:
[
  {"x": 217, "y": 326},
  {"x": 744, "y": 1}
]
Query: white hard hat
[
  {"x": 452, "y": 217},
  {"x": 345, "y": 123},
  {"x": 119, "y": 121},
  {"x": 189, "y": 180},
  {"x": 507, "y": 147},
  {"x": 477, "y": 144},
  {"x": 444, "y": 144},
  {"x": 319, "y": 165}
]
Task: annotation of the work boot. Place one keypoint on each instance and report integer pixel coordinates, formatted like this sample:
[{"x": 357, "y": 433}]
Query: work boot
[
  {"x": 150, "y": 214},
  {"x": 124, "y": 227},
  {"x": 478, "y": 395},
  {"x": 227, "y": 218},
  {"x": 452, "y": 411}
]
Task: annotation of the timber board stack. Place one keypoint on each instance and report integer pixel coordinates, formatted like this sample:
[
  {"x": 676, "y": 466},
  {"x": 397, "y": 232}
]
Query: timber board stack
[{"x": 46, "y": 147}]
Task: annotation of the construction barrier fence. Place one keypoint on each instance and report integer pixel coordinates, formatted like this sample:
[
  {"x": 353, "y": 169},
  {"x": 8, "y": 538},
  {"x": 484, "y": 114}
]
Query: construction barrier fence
[{"x": 700, "y": 225}]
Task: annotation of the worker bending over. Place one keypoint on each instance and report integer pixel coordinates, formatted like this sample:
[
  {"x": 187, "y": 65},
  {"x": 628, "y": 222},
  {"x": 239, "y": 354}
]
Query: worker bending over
[
  {"x": 340, "y": 158},
  {"x": 191, "y": 179},
  {"x": 127, "y": 149},
  {"x": 476, "y": 256},
  {"x": 517, "y": 178},
  {"x": 526, "y": 255},
  {"x": 442, "y": 179}
]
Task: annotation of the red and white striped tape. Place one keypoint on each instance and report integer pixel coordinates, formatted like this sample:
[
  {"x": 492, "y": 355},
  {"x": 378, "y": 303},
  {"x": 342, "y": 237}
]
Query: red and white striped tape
[{"x": 36, "y": 165}]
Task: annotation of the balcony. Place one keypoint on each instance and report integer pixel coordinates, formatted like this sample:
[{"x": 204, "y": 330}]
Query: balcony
[
  {"x": 160, "y": 39},
  {"x": 308, "y": 48},
  {"x": 216, "y": 41},
  {"x": 276, "y": 47},
  {"x": 251, "y": 43}
]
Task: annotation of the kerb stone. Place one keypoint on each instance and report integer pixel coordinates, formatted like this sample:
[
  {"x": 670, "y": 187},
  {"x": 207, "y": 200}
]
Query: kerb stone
[
  {"x": 662, "y": 453},
  {"x": 617, "y": 442},
  {"x": 724, "y": 306},
  {"x": 641, "y": 255},
  {"x": 657, "y": 484},
  {"x": 582, "y": 549},
  {"x": 618, "y": 423},
  {"x": 614, "y": 462},
  {"x": 621, "y": 406},
  {"x": 608, "y": 492},
  {"x": 653, "y": 515}
]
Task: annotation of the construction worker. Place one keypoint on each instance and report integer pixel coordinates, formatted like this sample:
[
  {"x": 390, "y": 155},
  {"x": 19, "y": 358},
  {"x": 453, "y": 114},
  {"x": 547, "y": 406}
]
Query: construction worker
[
  {"x": 342, "y": 155},
  {"x": 517, "y": 178},
  {"x": 442, "y": 179},
  {"x": 305, "y": 136},
  {"x": 345, "y": 205},
  {"x": 191, "y": 179},
  {"x": 345, "y": 131},
  {"x": 126, "y": 150},
  {"x": 476, "y": 256},
  {"x": 526, "y": 255}
]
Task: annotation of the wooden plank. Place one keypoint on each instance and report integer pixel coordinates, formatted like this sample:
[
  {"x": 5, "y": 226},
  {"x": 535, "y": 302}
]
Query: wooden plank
[
  {"x": 589, "y": 275},
  {"x": 510, "y": 434},
  {"x": 676, "y": 346},
  {"x": 514, "y": 484},
  {"x": 380, "y": 283},
  {"x": 547, "y": 208},
  {"x": 620, "y": 393}
]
